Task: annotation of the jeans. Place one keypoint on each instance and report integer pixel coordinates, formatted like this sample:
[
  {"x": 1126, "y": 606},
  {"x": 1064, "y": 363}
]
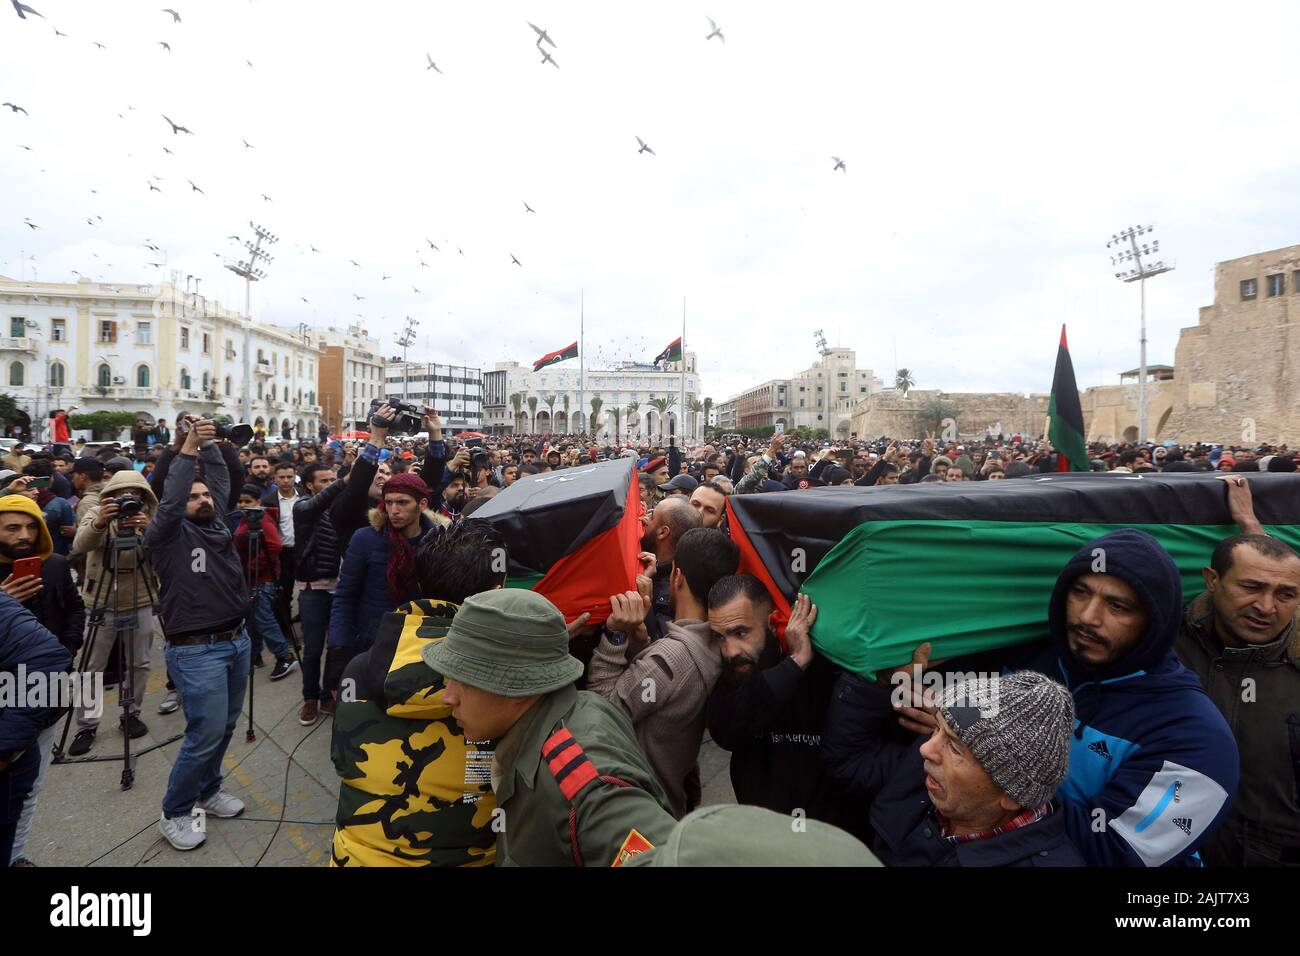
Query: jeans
[
  {"x": 211, "y": 679},
  {"x": 263, "y": 625},
  {"x": 314, "y": 609},
  {"x": 15, "y": 784},
  {"x": 45, "y": 746}
]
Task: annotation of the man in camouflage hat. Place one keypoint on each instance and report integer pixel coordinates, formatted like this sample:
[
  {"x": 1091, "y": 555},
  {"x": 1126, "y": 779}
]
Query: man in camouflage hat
[{"x": 561, "y": 754}]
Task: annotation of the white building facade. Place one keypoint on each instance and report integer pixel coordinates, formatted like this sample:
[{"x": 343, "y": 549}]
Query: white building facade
[
  {"x": 823, "y": 396},
  {"x": 455, "y": 392},
  {"x": 554, "y": 399},
  {"x": 351, "y": 375},
  {"x": 152, "y": 350}
]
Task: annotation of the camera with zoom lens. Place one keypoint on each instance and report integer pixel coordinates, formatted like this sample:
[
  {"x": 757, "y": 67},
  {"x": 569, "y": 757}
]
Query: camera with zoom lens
[
  {"x": 254, "y": 518},
  {"x": 239, "y": 433},
  {"x": 129, "y": 504},
  {"x": 408, "y": 417}
]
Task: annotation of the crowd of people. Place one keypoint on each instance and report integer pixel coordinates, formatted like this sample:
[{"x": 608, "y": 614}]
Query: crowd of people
[{"x": 474, "y": 725}]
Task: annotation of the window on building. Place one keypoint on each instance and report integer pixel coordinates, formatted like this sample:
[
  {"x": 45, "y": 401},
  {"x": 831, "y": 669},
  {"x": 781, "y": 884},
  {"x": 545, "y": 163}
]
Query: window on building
[
  {"x": 58, "y": 375},
  {"x": 1276, "y": 284},
  {"x": 144, "y": 333},
  {"x": 187, "y": 383},
  {"x": 16, "y": 373},
  {"x": 844, "y": 386},
  {"x": 207, "y": 344},
  {"x": 228, "y": 386},
  {"x": 261, "y": 357},
  {"x": 142, "y": 377},
  {"x": 107, "y": 330},
  {"x": 17, "y": 326},
  {"x": 1249, "y": 289},
  {"x": 58, "y": 330},
  {"x": 104, "y": 376},
  {"x": 207, "y": 382},
  {"x": 185, "y": 337},
  {"x": 259, "y": 391}
]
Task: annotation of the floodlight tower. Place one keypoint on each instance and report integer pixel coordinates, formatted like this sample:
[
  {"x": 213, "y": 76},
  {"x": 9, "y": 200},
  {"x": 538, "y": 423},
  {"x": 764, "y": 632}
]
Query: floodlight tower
[
  {"x": 1139, "y": 272},
  {"x": 251, "y": 271},
  {"x": 820, "y": 337},
  {"x": 407, "y": 340}
]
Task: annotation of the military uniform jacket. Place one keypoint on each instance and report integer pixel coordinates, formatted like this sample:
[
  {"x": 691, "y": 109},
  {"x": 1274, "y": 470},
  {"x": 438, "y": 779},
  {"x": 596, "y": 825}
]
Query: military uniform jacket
[{"x": 566, "y": 805}]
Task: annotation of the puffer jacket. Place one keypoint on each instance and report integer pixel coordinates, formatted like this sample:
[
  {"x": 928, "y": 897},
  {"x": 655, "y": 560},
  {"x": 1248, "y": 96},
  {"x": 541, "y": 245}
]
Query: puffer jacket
[
  {"x": 414, "y": 792},
  {"x": 361, "y": 598},
  {"x": 25, "y": 644},
  {"x": 1262, "y": 827},
  {"x": 315, "y": 541},
  {"x": 136, "y": 578}
]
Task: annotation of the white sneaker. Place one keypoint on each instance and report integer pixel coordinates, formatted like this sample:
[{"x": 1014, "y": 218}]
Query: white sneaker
[
  {"x": 181, "y": 832},
  {"x": 169, "y": 703},
  {"x": 222, "y": 804}
]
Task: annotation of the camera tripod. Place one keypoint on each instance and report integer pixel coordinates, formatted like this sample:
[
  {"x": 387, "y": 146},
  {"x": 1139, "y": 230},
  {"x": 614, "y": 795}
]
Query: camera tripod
[
  {"x": 250, "y": 577},
  {"x": 124, "y": 631}
]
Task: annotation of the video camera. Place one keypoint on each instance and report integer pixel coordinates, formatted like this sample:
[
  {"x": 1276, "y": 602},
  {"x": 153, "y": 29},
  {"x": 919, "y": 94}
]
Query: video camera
[
  {"x": 129, "y": 504},
  {"x": 408, "y": 420},
  {"x": 236, "y": 434}
]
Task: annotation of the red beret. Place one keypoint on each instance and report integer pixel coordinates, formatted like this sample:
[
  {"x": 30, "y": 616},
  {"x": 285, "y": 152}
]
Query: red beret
[{"x": 654, "y": 463}]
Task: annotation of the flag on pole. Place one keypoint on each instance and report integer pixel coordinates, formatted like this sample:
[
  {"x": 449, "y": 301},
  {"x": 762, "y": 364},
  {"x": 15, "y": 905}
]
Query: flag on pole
[
  {"x": 673, "y": 353},
  {"x": 1065, "y": 415},
  {"x": 559, "y": 355}
]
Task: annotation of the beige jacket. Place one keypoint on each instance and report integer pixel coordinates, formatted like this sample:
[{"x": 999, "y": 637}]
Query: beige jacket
[
  {"x": 133, "y": 586},
  {"x": 663, "y": 689}
]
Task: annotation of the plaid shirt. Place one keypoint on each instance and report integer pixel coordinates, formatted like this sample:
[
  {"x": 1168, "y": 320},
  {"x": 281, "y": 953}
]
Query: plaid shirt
[{"x": 1015, "y": 823}]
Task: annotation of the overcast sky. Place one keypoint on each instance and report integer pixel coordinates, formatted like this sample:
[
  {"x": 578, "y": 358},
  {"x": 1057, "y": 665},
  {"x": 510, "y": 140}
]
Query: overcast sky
[{"x": 991, "y": 151}]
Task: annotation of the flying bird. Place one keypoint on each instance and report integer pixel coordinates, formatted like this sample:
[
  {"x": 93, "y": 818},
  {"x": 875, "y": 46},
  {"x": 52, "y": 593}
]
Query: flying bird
[
  {"x": 547, "y": 58},
  {"x": 100, "y": 45},
  {"x": 359, "y": 298},
  {"x": 424, "y": 264},
  {"x": 431, "y": 245},
  {"x": 176, "y": 17},
  {"x": 236, "y": 238},
  {"x": 31, "y": 224},
  {"x": 839, "y": 164},
  {"x": 176, "y": 127},
  {"x": 516, "y": 261},
  {"x": 23, "y": 9},
  {"x": 644, "y": 148},
  {"x": 266, "y": 197},
  {"x": 355, "y": 263},
  {"x": 385, "y": 276},
  {"x": 528, "y": 207},
  {"x": 716, "y": 32},
  {"x": 21, "y": 146},
  {"x": 250, "y": 63},
  {"x": 460, "y": 251},
  {"x": 59, "y": 33},
  {"x": 313, "y": 248},
  {"x": 195, "y": 188},
  {"x": 165, "y": 45},
  {"x": 15, "y": 108},
  {"x": 432, "y": 66},
  {"x": 416, "y": 291},
  {"x": 247, "y": 144},
  {"x": 304, "y": 298},
  {"x": 168, "y": 151},
  {"x": 541, "y": 34}
]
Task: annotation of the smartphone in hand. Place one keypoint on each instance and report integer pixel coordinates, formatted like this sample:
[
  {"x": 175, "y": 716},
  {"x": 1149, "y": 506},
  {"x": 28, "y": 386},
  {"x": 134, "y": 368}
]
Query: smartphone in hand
[{"x": 27, "y": 568}]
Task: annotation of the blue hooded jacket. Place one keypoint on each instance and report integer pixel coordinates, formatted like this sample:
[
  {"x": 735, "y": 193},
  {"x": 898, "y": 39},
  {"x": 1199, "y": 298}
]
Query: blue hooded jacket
[{"x": 1153, "y": 764}]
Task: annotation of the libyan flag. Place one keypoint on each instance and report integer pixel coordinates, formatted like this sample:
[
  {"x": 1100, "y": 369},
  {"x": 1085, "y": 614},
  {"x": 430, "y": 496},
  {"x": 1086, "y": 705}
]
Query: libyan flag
[
  {"x": 987, "y": 552},
  {"x": 559, "y": 355},
  {"x": 673, "y": 353},
  {"x": 572, "y": 535},
  {"x": 1065, "y": 415}
]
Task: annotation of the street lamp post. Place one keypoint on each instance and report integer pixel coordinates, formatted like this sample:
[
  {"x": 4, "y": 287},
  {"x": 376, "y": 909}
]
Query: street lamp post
[
  {"x": 1139, "y": 272},
  {"x": 251, "y": 271}
]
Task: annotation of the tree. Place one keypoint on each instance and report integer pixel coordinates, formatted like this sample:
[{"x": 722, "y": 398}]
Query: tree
[
  {"x": 632, "y": 409},
  {"x": 708, "y": 407},
  {"x": 662, "y": 405},
  {"x": 618, "y": 418},
  {"x": 517, "y": 400},
  {"x": 931, "y": 415},
  {"x": 11, "y": 413},
  {"x": 597, "y": 403},
  {"x": 568, "y": 424},
  {"x": 696, "y": 406},
  {"x": 550, "y": 404},
  {"x": 105, "y": 426},
  {"x": 903, "y": 380},
  {"x": 532, "y": 412}
]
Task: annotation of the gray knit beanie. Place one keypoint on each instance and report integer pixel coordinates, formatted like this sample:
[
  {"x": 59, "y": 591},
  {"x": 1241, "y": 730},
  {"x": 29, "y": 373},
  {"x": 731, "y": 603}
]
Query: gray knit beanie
[{"x": 1018, "y": 727}]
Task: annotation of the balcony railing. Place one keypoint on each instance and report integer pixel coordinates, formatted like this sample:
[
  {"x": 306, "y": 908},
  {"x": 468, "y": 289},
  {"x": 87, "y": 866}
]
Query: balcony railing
[{"x": 10, "y": 344}]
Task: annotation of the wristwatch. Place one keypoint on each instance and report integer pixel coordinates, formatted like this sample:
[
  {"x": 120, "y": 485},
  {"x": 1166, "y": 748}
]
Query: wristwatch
[{"x": 617, "y": 638}]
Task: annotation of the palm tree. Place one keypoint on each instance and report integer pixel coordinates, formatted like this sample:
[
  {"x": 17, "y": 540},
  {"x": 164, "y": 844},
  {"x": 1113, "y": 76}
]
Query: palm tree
[
  {"x": 708, "y": 407},
  {"x": 532, "y": 411},
  {"x": 597, "y": 403},
  {"x": 567, "y": 423},
  {"x": 550, "y": 404},
  {"x": 662, "y": 405},
  {"x": 517, "y": 400},
  {"x": 632, "y": 409},
  {"x": 617, "y": 413},
  {"x": 696, "y": 406},
  {"x": 903, "y": 380}
]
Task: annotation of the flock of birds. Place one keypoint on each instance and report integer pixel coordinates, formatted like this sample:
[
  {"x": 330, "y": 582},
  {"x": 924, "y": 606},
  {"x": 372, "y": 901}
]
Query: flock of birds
[{"x": 543, "y": 40}]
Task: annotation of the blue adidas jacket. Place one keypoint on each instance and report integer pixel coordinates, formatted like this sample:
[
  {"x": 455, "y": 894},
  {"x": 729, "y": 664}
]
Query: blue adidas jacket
[{"x": 1153, "y": 764}]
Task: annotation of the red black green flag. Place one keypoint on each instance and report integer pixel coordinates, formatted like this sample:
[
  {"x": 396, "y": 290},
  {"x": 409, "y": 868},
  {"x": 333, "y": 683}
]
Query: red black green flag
[
  {"x": 673, "y": 353},
  {"x": 991, "y": 548},
  {"x": 1065, "y": 414},
  {"x": 559, "y": 355},
  {"x": 572, "y": 535}
]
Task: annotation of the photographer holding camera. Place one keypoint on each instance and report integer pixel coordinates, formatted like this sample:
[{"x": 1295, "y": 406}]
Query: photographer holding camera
[
  {"x": 126, "y": 505},
  {"x": 257, "y": 541},
  {"x": 204, "y": 602}
]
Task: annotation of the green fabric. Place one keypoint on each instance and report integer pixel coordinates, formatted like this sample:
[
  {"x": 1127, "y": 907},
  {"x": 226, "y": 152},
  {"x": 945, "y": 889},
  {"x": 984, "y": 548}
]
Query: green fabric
[
  {"x": 1066, "y": 439},
  {"x": 964, "y": 586},
  {"x": 525, "y": 581}
]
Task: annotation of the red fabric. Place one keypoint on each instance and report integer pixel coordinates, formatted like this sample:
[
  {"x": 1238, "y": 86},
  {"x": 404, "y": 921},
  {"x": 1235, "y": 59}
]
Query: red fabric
[
  {"x": 583, "y": 581},
  {"x": 61, "y": 433},
  {"x": 268, "y": 554},
  {"x": 751, "y": 563}
]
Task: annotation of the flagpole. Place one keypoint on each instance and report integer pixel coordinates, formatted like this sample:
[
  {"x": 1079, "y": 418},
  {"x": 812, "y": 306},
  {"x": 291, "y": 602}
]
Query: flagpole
[
  {"x": 682, "y": 432},
  {"x": 582, "y": 360}
]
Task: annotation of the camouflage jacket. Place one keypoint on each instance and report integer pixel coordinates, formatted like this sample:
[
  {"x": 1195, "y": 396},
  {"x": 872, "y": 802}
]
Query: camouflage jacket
[
  {"x": 414, "y": 792},
  {"x": 574, "y": 787},
  {"x": 755, "y": 477}
]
